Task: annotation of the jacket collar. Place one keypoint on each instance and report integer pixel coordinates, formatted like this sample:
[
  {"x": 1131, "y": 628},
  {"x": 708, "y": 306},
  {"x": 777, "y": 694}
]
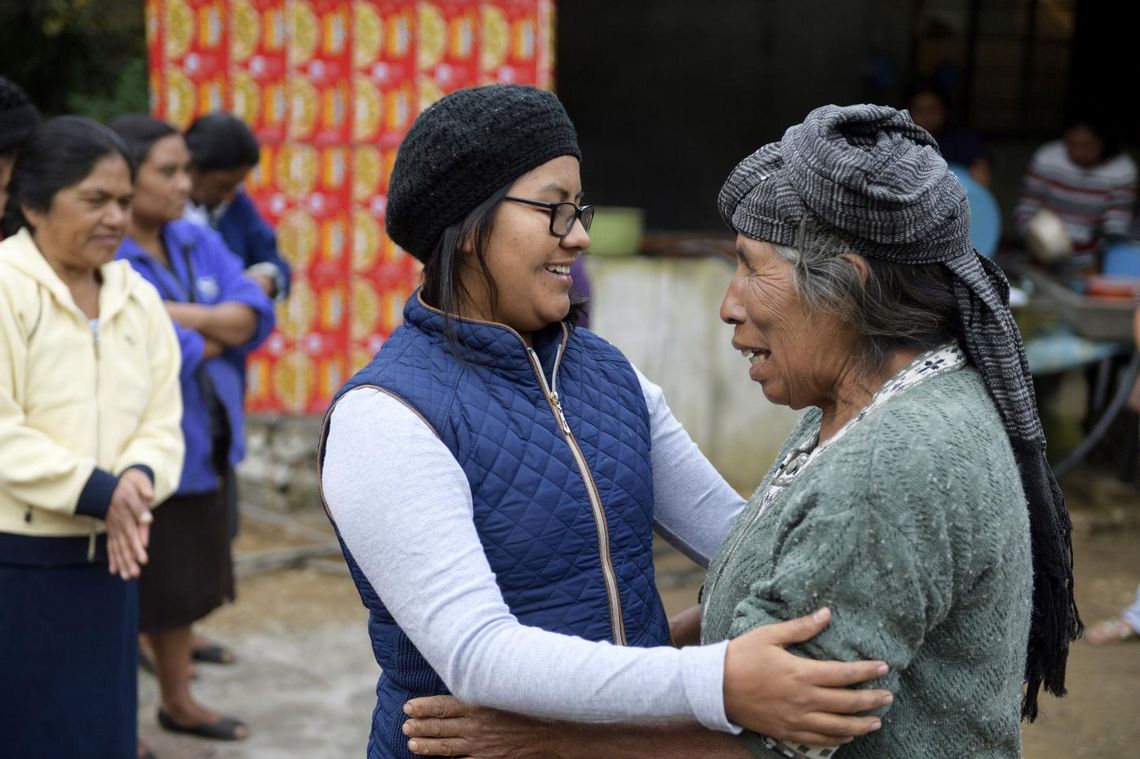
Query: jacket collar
[
  {"x": 487, "y": 343},
  {"x": 22, "y": 253},
  {"x": 171, "y": 282}
]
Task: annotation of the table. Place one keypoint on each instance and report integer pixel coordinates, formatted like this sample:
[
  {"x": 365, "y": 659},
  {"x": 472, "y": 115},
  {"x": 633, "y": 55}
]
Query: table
[{"x": 1091, "y": 331}]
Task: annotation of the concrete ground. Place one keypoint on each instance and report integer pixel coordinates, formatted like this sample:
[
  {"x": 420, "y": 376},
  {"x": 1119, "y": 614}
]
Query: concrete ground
[{"x": 305, "y": 674}]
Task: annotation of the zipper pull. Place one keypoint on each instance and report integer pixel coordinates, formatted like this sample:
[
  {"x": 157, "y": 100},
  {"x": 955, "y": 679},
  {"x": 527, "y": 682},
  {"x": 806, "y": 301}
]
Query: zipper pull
[
  {"x": 561, "y": 416},
  {"x": 28, "y": 515}
]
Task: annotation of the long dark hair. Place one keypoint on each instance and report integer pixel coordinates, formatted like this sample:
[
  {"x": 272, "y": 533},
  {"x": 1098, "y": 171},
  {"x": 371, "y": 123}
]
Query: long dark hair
[
  {"x": 443, "y": 286},
  {"x": 59, "y": 154},
  {"x": 139, "y": 133}
]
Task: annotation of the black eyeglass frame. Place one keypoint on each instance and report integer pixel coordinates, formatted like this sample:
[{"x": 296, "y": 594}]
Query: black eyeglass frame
[{"x": 584, "y": 214}]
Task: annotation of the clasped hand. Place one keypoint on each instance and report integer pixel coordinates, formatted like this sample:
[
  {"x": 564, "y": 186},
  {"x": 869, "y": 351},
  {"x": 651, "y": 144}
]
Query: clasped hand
[{"x": 128, "y": 522}]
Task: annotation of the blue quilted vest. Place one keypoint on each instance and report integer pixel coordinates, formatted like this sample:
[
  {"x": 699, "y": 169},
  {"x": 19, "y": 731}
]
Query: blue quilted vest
[{"x": 542, "y": 523}]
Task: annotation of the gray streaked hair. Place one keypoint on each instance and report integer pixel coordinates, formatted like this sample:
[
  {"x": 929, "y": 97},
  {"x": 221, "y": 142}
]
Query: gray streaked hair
[{"x": 899, "y": 305}]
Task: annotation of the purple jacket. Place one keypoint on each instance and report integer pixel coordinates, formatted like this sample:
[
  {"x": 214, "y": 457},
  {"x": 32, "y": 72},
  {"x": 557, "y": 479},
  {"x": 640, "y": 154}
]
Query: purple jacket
[{"x": 199, "y": 256}]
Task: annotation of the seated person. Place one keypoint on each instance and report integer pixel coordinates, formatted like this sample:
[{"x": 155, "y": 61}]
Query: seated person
[{"x": 1087, "y": 183}]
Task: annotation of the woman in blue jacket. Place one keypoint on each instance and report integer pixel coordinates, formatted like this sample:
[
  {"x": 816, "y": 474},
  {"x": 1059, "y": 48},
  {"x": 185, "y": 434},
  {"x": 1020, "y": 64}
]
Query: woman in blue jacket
[{"x": 219, "y": 315}]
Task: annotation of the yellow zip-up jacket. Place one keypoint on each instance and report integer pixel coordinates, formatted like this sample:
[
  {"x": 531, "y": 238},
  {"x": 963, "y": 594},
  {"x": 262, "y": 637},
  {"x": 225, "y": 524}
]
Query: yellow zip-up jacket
[{"x": 80, "y": 403}]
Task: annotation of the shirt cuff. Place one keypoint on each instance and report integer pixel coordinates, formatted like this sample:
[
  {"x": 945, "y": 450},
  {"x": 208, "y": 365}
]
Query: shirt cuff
[
  {"x": 702, "y": 673},
  {"x": 145, "y": 470},
  {"x": 95, "y": 498}
]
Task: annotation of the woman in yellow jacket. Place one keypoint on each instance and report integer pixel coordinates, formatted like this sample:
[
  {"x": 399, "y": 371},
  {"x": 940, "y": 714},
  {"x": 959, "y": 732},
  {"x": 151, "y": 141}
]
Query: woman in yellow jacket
[{"x": 89, "y": 441}]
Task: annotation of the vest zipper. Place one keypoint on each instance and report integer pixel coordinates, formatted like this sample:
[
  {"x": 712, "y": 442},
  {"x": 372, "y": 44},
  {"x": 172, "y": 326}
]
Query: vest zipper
[{"x": 617, "y": 624}]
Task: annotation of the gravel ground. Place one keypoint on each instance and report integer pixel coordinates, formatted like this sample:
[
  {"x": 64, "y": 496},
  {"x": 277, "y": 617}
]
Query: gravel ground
[{"x": 305, "y": 675}]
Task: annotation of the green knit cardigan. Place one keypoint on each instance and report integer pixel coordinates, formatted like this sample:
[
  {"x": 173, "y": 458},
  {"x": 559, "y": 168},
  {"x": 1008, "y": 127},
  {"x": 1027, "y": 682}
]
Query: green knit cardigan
[{"x": 913, "y": 529}]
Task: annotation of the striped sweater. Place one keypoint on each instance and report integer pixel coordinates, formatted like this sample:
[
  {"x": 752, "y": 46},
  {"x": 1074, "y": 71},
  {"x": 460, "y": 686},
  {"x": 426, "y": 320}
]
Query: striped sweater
[{"x": 1093, "y": 203}]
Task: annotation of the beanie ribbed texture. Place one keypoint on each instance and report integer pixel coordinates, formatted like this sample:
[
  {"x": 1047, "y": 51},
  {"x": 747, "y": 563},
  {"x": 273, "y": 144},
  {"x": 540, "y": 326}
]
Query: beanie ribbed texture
[
  {"x": 18, "y": 115},
  {"x": 463, "y": 149}
]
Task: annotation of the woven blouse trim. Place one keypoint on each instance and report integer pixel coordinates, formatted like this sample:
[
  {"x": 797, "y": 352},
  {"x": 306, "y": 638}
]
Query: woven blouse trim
[{"x": 932, "y": 363}]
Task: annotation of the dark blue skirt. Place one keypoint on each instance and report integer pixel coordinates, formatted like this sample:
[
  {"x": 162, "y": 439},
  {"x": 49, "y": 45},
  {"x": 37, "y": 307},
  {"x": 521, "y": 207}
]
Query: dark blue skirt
[{"x": 68, "y": 662}]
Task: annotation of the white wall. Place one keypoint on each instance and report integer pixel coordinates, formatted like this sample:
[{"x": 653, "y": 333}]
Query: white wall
[{"x": 663, "y": 313}]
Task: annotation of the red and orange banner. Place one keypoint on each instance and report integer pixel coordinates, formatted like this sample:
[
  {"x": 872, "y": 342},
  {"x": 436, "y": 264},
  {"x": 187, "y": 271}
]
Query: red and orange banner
[{"x": 330, "y": 87}]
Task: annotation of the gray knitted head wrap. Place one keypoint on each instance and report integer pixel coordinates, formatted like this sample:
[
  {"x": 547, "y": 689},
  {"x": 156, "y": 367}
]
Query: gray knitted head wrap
[{"x": 869, "y": 176}]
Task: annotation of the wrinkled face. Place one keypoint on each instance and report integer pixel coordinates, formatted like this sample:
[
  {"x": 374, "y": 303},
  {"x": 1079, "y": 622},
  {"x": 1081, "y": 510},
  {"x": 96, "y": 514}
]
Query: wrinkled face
[
  {"x": 529, "y": 266},
  {"x": 163, "y": 182},
  {"x": 213, "y": 187},
  {"x": 86, "y": 221},
  {"x": 927, "y": 111},
  {"x": 1084, "y": 146},
  {"x": 796, "y": 355}
]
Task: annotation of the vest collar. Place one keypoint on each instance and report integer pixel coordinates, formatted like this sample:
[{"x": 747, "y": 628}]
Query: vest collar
[{"x": 486, "y": 343}]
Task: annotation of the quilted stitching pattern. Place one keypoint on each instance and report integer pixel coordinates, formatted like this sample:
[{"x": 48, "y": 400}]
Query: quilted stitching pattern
[{"x": 532, "y": 510}]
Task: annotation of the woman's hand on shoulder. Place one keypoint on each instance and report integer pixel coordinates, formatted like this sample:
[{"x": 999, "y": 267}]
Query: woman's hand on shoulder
[{"x": 795, "y": 699}]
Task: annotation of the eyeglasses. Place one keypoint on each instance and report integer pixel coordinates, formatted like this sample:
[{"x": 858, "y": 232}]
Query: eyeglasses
[{"x": 562, "y": 215}]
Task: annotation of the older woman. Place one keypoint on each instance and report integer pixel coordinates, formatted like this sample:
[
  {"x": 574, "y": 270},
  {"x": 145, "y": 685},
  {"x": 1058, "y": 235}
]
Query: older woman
[
  {"x": 913, "y": 498},
  {"x": 89, "y": 441}
]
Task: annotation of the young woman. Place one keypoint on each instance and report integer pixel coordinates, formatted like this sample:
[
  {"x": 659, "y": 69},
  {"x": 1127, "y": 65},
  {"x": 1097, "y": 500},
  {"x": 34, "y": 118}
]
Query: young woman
[
  {"x": 217, "y": 311},
  {"x": 495, "y": 474},
  {"x": 89, "y": 442}
]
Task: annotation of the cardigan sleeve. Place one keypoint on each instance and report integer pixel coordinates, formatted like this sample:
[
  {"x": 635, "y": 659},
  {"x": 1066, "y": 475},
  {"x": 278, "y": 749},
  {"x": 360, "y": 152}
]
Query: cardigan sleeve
[
  {"x": 839, "y": 547},
  {"x": 34, "y": 468},
  {"x": 846, "y": 544}
]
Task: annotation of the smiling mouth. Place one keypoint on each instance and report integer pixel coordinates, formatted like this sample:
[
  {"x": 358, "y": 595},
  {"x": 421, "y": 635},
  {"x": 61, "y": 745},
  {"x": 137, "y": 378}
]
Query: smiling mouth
[
  {"x": 756, "y": 355},
  {"x": 559, "y": 269}
]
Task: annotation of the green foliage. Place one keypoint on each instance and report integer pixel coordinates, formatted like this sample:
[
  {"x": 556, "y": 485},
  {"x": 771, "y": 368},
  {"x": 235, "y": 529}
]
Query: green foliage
[
  {"x": 129, "y": 95},
  {"x": 85, "y": 56}
]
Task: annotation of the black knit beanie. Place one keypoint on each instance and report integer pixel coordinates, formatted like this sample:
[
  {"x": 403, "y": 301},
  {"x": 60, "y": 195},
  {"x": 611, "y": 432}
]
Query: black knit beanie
[
  {"x": 18, "y": 115},
  {"x": 463, "y": 149}
]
